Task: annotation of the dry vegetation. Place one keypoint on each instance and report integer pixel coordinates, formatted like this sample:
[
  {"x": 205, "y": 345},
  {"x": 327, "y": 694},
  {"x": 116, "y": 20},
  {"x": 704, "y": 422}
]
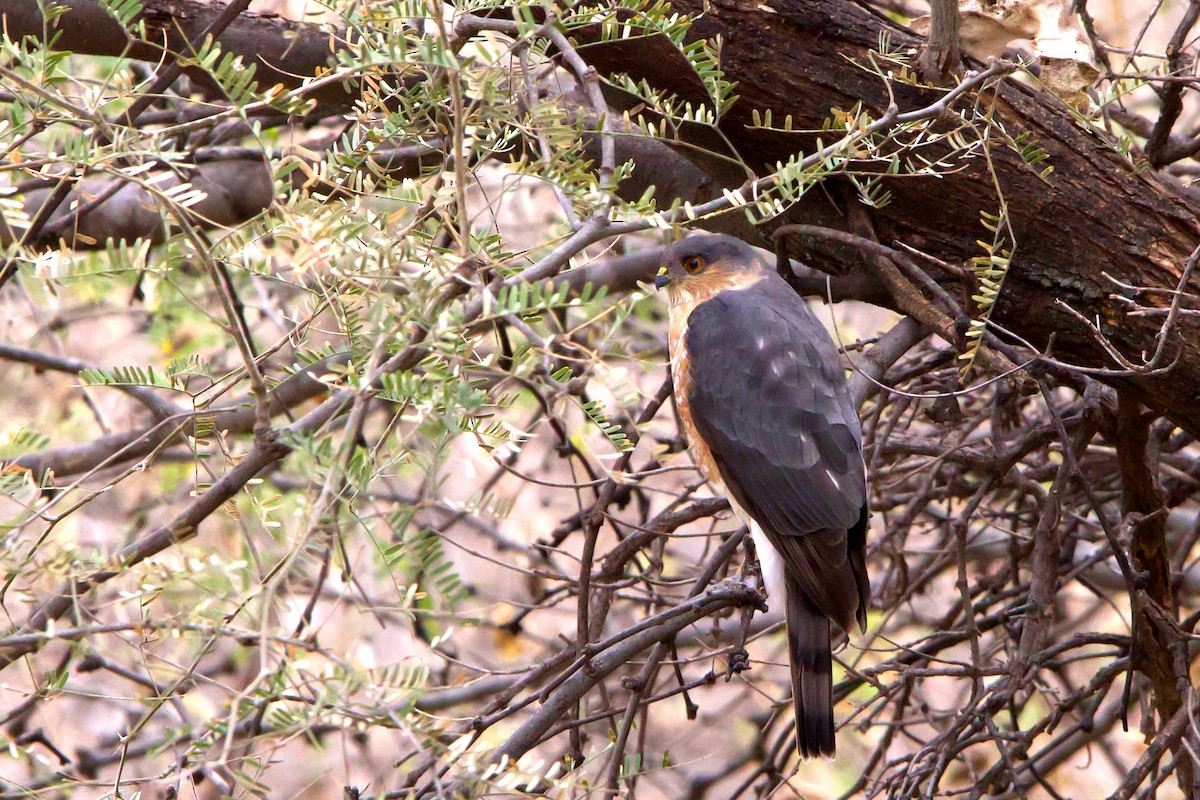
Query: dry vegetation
[{"x": 307, "y": 493}]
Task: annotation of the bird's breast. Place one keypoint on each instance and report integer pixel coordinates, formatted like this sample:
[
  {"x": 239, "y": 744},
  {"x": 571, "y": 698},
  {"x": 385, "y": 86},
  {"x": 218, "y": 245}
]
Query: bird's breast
[{"x": 681, "y": 377}]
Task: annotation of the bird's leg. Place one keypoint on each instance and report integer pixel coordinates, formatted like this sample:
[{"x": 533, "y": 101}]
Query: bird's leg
[
  {"x": 739, "y": 657},
  {"x": 750, "y": 572}
]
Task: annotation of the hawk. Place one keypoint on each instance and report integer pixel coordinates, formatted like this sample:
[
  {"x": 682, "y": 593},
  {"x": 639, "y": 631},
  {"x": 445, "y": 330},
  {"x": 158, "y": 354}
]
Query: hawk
[{"x": 763, "y": 402}]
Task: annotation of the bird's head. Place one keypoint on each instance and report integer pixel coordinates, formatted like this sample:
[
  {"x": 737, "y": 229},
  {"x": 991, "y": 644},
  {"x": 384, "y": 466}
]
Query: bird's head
[{"x": 700, "y": 266}]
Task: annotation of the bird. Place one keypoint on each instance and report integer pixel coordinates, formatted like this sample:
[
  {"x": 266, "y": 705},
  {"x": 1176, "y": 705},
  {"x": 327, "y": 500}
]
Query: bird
[{"x": 762, "y": 398}]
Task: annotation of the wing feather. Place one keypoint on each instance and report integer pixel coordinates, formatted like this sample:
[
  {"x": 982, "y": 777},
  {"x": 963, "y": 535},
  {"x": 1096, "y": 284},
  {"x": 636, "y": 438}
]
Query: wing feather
[{"x": 769, "y": 398}]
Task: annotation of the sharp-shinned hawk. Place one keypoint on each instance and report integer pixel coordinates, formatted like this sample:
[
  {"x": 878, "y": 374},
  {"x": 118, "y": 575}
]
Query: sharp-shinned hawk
[{"x": 762, "y": 397}]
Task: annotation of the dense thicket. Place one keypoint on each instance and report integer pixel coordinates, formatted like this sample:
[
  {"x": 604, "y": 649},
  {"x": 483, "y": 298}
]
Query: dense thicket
[{"x": 336, "y": 432}]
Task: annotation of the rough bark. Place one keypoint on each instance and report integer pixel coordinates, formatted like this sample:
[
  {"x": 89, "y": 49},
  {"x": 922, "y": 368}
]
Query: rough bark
[
  {"x": 1096, "y": 215},
  {"x": 942, "y": 56},
  {"x": 282, "y": 51},
  {"x": 1161, "y": 650}
]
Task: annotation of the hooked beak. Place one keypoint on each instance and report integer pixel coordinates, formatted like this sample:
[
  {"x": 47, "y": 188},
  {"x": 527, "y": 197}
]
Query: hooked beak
[{"x": 662, "y": 279}]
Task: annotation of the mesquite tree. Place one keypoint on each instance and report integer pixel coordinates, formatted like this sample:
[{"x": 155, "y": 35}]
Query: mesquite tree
[{"x": 337, "y": 443}]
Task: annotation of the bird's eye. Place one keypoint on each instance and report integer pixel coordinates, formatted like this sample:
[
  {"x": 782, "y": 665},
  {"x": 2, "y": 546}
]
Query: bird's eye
[{"x": 694, "y": 264}]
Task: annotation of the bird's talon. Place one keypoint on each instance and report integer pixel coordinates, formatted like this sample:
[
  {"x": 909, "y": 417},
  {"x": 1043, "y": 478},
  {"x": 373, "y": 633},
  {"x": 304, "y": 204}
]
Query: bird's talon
[{"x": 739, "y": 662}]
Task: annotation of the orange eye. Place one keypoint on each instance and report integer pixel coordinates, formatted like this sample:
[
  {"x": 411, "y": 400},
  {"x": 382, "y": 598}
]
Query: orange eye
[{"x": 694, "y": 264}]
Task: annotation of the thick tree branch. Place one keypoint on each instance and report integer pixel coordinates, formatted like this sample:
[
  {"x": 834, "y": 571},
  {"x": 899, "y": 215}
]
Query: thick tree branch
[
  {"x": 1158, "y": 150},
  {"x": 800, "y": 59},
  {"x": 1096, "y": 213},
  {"x": 282, "y": 51}
]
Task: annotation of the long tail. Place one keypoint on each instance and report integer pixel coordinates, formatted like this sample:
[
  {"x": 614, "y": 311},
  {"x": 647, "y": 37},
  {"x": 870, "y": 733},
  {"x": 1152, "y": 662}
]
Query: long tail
[{"x": 812, "y": 675}]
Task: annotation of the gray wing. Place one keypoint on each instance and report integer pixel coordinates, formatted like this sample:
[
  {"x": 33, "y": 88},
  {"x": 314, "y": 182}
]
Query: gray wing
[{"x": 769, "y": 399}]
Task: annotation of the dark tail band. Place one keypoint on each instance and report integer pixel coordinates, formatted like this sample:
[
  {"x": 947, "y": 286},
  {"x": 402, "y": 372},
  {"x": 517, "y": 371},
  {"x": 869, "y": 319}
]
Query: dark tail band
[{"x": 812, "y": 675}]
